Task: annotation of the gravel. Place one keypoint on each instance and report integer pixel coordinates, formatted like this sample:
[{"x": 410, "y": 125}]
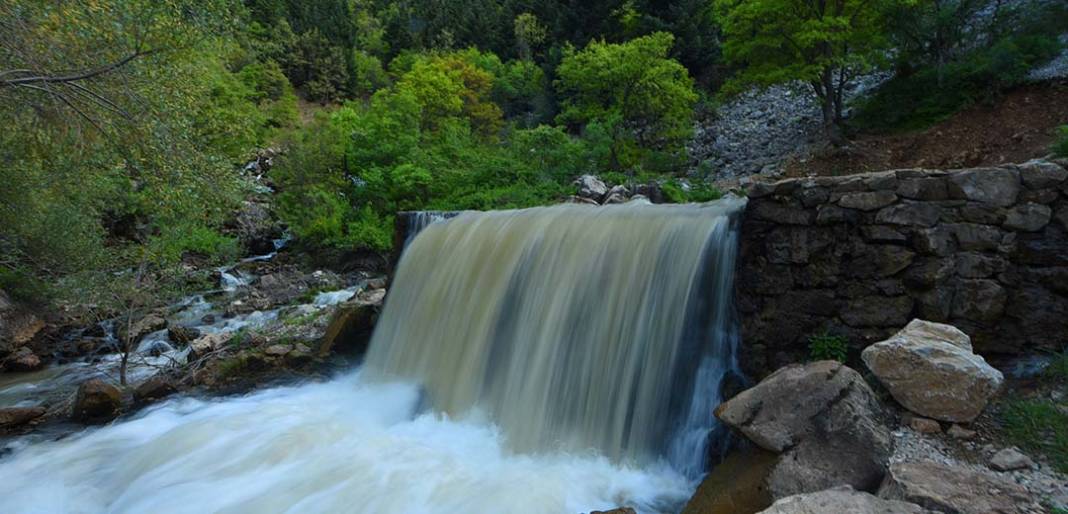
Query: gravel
[{"x": 1045, "y": 483}]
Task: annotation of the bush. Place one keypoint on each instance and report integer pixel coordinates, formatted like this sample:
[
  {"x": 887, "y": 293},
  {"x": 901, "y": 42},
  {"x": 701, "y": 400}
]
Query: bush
[
  {"x": 916, "y": 99},
  {"x": 1060, "y": 146},
  {"x": 825, "y": 346}
]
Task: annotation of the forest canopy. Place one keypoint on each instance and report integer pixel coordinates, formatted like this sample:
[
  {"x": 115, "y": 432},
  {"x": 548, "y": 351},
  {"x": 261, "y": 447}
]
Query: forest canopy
[{"x": 131, "y": 119}]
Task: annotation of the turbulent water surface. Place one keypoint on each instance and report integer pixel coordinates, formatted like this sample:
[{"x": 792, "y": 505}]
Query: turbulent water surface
[{"x": 564, "y": 359}]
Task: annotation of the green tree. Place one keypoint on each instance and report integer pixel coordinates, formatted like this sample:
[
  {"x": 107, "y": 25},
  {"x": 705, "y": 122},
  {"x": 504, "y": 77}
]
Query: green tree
[
  {"x": 529, "y": 33},
  {"x": 634, "y": 92},
  {"x": 825, "y": 44}
]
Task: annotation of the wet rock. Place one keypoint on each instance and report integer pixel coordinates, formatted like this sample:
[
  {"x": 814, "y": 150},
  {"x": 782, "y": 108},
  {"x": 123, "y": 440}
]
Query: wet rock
[
  {"x": 1010, "y": 459},
  {"x": 582, "y": 201},
  {"x": 930, "y": 369},
  {"x": 205, "y": 345},
  {"x": 96, "y": 400},
  {"x": 589, "y": 186},
  {"x": 621, "y": 510},
  {"x": 350, "y": 329},
  {"x": 953, "y": 490},
  {"x": 149, "y": 323},
  {"x": 842, "y": 500},
  {"x": 13, "y": 417},
  {"x": 738, "y": 484},
  {"x": 23, "y": 360},
  {"x": 155, "y": 388},
  {"x": 1028, "y": 217},
  {"x": 182, "y": 335},
  {"x": 994, "y": 186},
  {"x": 614, "y": 199},
  {"x": 825, "y": 420},
  {"x": 652, "y": 191}
]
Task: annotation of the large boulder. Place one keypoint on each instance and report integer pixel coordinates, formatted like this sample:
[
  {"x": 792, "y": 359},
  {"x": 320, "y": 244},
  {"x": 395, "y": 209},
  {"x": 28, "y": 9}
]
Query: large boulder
[
  {"x": 824, "y": 420},
  {"x": 23, "y": 360},
  {"x": 589, "y": 186},
  {"x": 930, "y": 369},
  {"x": 205, "y": 345},
  {"x": 97, "y": 400},
  {"x": 842, "y": 500},
  {"x": 155, "y": 388},
  {"x": 954, "y": 489}
]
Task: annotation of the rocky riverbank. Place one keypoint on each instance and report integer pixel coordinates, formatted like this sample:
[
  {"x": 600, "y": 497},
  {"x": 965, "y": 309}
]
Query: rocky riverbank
[{"x": 839, "y": 443}]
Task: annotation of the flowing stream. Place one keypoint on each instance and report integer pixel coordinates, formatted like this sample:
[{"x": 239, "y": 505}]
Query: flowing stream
[{"x": 562, "y": 359}]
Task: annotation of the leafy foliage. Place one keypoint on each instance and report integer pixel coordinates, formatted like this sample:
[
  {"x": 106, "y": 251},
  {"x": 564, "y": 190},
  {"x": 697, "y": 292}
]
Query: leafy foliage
[
  {"x": 641, "y": 99},
  {"x": 1060, "y": 146},
  {"x": 827, "y": 346},
  {"x": 824, "y": 44}
]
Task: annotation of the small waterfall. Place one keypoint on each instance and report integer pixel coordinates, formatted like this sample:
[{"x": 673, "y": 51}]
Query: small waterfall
[{"x": 573, "y": 328}]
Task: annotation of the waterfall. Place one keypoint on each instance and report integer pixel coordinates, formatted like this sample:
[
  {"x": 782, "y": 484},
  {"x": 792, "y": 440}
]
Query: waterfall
[{"x": 573, "y": 328}]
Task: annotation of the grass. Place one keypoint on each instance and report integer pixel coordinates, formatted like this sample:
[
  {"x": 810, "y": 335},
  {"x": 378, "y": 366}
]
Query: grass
[{"x": 1041, "y": 424}]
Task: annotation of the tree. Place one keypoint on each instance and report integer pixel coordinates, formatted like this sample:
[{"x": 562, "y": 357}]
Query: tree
[
  {"x": 825, "y": 43},
  {"x": 529, "y": 33},
  {"x": 635, "y": 92}
]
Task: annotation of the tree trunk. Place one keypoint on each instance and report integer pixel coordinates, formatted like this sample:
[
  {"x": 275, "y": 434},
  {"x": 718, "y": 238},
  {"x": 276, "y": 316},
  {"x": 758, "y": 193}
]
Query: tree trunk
[{"x": 830, "y": 103}]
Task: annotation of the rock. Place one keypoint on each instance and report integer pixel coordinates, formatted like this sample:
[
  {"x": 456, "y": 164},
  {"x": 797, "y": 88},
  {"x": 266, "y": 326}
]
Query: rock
[
  {"x": 1040, "y": 174},
  {"x": 823, "y": 417},
  {"x": 1028, "y": 217},
  {"x": 995, "y": 186},
  {"x": 737, "y": 484},
  {"x": 17, "y": 325},
  {"x": 614, "y": 198},
  {"x": 953, "y": 490},
  {"x": 924, "y": 425},
  {"x": 868, "y": 201},
  {"x": 842, "y": 500},
  {"x": 182, "y": 335},
  {"x": 931, "y": 370},
  {"x": 1010, "y": 459},
  {"x": 923, "y": 189},
  {"x": 589, "y": 186},
  {"x": 350, "y": 329},
  {"x": 278, "y": 350},
  {"x": 909, "y": 214},
  {"x": 201, "y": 347},
  {"x": 639, "y": 198},
  {"x": 12, "y": 417},
  {"x": 979, "y": 300},
  {"x": 582, "y": 201},
  {"x": 618, "y": 190},
  {"x": 971, "y": 236},
  {"x": 878, "y": 311},
  {"x": 958, "y": 432},
  {"x": 151, "y": 322},
  {"x": 621, "y": 510},
  {"x": 23, "y": 360},
  {"x": 652, "y": 191},
  {"x": 154, "y": 388},
  {"x": 96, "y": 400}
]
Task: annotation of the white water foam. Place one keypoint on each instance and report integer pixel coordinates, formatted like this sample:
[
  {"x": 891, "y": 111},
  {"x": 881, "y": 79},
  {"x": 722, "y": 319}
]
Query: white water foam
[{"x": 340, "y": 446}]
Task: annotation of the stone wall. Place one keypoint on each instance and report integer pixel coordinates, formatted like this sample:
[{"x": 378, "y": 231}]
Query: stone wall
[{"x": 984, "y": 249}]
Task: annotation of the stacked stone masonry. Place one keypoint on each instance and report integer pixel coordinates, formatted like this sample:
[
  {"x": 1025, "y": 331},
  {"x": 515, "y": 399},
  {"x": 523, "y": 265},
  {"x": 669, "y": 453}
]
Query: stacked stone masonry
[{"x": 983, "y": 249}]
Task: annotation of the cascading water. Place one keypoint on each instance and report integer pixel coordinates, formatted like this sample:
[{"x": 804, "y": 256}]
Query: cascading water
[
  {"x": 562, "y": 359},
  {"x": 572, "y": 327}
]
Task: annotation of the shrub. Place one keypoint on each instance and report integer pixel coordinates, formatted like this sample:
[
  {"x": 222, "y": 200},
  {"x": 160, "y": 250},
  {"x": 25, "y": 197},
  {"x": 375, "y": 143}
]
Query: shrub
[
  {"x": 1038, "y": 425},
  {"x": 1060, "y": 146},
  {"x": 826, "y": 346}
]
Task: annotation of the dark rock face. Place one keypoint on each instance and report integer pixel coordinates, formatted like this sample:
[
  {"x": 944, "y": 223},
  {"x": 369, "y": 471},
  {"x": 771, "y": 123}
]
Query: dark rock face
[
  {"x": 13, "y": 417},
  {"x": 97, "y": 400},
  {"x": 862, "y": 255}
]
